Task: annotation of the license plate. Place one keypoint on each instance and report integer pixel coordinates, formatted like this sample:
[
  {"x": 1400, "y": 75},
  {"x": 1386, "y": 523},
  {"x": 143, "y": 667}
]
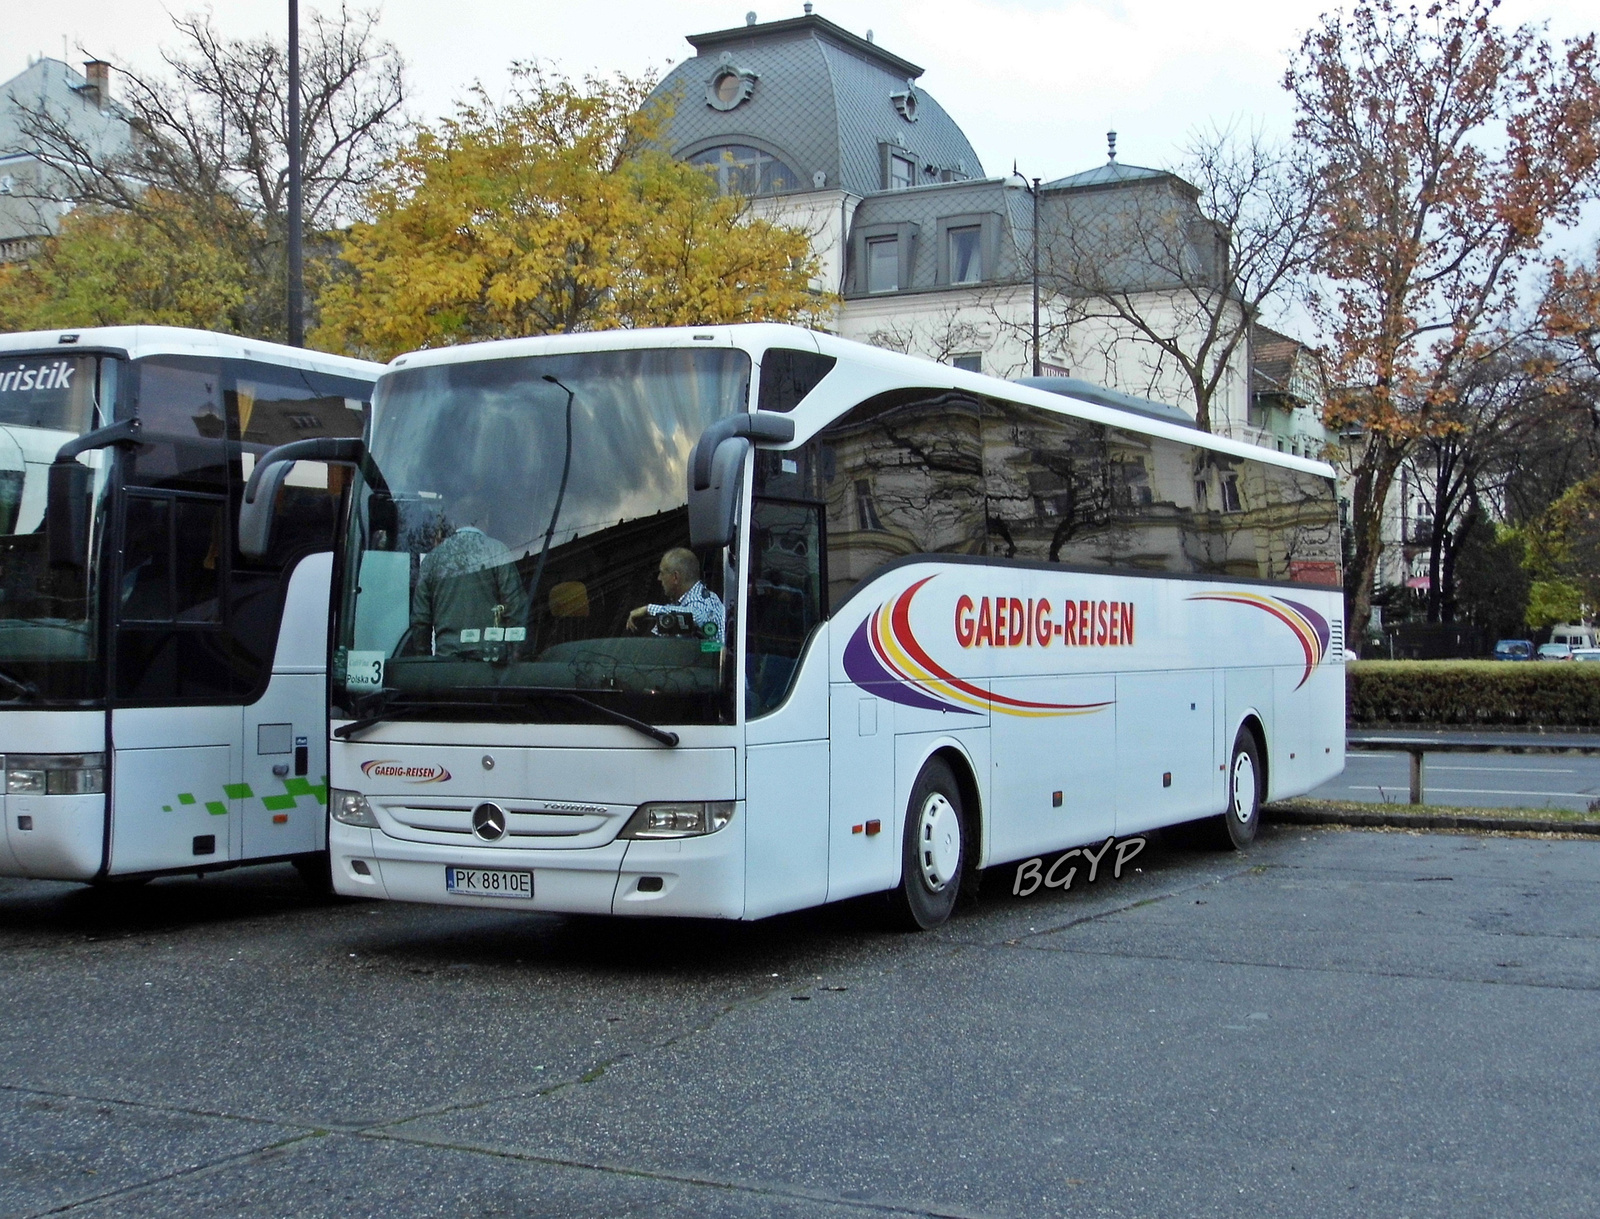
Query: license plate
[{"x": 488, "y": 882}]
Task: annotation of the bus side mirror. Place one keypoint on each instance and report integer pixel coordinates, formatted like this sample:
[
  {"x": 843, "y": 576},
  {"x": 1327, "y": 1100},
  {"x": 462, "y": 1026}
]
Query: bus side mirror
[
  {"x": 716, "y": 469},
  {"x": 66, "y": 513},
  {"x": 266, "y": 480}
]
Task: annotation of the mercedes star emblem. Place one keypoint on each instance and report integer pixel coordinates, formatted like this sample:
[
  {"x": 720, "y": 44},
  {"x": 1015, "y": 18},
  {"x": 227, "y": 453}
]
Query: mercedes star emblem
[{"x": 489, "y": 822}]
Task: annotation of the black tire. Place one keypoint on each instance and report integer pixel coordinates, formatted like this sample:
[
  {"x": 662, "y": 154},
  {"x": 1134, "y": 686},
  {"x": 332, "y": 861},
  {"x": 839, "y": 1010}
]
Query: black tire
[
  {"x": 933, "y": 852},
  {"x": 1241, "y": 817},
  {"x": 316, "y": 871}
]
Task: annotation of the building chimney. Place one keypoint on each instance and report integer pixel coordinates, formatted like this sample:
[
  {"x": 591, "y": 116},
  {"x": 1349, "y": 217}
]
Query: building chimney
[{"x": 97, "y": 72}]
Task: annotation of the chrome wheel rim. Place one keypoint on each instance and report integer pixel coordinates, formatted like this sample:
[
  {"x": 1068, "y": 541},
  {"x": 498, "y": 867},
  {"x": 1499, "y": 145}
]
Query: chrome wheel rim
[
  {"x": 1244, "y": 787},
  {"x": 938, "y": 842}
]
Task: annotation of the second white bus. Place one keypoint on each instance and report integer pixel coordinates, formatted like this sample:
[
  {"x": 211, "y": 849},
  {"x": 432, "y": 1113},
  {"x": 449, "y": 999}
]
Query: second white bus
[{"x": 163, "y": 697}]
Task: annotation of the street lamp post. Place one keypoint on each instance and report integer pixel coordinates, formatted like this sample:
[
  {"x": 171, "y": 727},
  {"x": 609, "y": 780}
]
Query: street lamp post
[
  {"x": 296, "y": 295},
  {"x": 1018, "y": 182}
]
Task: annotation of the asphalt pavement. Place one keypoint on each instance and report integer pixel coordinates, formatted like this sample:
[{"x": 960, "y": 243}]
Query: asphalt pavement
[{"x": 1331, "y": 1024}]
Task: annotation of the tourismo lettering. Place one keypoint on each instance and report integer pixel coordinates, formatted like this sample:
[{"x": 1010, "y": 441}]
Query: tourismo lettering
[
  {"x": 23, "y": 379},
  {"x": 1010, "y": 622},
  {"x": 1032, "y": 871}
]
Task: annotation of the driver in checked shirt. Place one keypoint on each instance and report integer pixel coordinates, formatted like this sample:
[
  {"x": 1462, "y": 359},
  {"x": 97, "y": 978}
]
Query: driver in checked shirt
[{"x": 679, "y": 574}]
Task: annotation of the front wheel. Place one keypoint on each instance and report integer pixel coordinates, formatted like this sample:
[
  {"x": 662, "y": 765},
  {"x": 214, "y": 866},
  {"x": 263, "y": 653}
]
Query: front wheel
[
  {"x": 1242, "y": 816},
  {"x": 933, "y": 851}
]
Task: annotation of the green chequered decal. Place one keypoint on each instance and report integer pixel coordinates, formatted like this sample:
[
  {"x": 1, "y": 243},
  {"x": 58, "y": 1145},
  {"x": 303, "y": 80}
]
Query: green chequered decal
[{"x": 279, "y": 802}]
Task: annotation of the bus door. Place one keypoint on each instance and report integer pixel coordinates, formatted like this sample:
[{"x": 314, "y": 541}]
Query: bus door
[
  {"x": 786, "y": 708},
  {"x": 176, "y": 791}
]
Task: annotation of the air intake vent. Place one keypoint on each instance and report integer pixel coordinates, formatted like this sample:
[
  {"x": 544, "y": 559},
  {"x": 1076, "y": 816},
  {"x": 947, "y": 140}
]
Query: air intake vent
[{"x": 1336, "y": 639}]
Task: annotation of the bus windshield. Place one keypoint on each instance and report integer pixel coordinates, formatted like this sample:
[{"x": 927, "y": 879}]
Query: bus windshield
[
  {"x": 47, "y": 640},
  {"x": 526, "y": 556}
]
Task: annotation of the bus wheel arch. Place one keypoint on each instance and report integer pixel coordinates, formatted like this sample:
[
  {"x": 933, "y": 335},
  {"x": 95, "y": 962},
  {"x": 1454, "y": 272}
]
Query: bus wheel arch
[
  {"x": 940, "y": 841},
  {"x": 1251, "y": 723},
  {"x": 1244, "y": 786},
  {"x": 972, "y": 818}
]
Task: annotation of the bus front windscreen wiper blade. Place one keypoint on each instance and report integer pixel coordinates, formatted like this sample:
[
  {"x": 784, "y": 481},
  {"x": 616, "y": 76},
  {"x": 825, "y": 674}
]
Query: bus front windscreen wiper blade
[
  {"x": 663, "y": 735},
  {"x": 383, "y": 712}
]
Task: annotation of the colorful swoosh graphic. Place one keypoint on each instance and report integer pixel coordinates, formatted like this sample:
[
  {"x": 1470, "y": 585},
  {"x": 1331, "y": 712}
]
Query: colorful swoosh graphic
[
  {"x": 1309, "y": 627},
  {"x": 884, "y": 658}
]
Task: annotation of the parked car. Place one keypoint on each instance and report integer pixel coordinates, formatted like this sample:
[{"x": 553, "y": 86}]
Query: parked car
[
  {"x": 1586, "y": 653},
  {"x": 1514, "y": 649},
  {"x": 1555, "y": 651}
]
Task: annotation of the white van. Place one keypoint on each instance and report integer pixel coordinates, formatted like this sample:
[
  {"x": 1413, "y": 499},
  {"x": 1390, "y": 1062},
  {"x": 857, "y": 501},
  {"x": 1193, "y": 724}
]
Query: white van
[{"x": 1573, "y": 636}]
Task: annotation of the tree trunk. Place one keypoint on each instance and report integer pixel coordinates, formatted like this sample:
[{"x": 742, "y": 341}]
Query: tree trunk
[{"x": 1374, "y": 475}]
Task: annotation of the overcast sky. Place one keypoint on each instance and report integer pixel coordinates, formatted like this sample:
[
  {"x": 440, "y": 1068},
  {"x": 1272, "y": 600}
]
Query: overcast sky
[
  {"x": 1038, "y": 81},
  {"x": 1035, "y": 81}
]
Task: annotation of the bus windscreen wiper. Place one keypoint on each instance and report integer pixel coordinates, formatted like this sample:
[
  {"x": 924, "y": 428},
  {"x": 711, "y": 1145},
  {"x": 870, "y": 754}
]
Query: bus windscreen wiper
[
  {"x": 664, "y": 735},
  {"x": 383, "y": 712},
  {"x": 18, "y": 689}
]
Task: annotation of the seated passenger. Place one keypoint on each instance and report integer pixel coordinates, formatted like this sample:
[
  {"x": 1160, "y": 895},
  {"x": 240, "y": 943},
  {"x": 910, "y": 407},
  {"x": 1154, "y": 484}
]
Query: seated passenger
[
  {"x": 680, "y": 579},
  {"x": 469, "y": 600}
]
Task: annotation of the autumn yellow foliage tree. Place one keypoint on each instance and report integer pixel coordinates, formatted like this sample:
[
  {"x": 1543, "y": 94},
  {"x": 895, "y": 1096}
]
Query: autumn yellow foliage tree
[
  {"x": 159, "y": 265},
  {"x": 554, "y": 212}
]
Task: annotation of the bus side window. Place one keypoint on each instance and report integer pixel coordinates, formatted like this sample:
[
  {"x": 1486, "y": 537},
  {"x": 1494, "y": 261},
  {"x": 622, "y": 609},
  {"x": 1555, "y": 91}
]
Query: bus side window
[
  {"x": 270, "y": 406},
  {"x": 902, "y": 475},
  {"x": 788, "y": 584}
]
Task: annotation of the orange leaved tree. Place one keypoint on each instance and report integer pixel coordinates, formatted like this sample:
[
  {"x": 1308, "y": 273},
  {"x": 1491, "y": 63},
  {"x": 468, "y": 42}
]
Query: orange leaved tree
[{"x": 1448, "y": 147}]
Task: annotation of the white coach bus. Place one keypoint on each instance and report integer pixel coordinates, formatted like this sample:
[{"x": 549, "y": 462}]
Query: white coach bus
[
  {"x": 153, "y": 715},
  {"x": 593, "y": 654}
]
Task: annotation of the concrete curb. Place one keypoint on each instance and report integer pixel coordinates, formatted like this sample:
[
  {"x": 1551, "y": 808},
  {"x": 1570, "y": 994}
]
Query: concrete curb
[{"x": 1289, "y": 815}]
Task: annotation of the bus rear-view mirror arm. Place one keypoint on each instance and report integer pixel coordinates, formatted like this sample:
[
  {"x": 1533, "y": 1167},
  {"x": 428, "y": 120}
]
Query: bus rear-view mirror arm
[
  {"x": 67, "y": 492},
  {"x": 716, "y": 467},
  {"x": 266, "y": 480}
]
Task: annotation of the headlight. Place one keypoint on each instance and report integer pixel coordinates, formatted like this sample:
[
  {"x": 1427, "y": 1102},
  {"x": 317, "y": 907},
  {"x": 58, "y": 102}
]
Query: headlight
[
  {"x": 678, "y": 819},
  {"x": 351, "y": 808},
  {"x": 55, "y": 774}
]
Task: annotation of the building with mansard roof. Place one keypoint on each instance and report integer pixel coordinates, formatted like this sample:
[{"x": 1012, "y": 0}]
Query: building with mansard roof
[{"x": 929, "y": 253}]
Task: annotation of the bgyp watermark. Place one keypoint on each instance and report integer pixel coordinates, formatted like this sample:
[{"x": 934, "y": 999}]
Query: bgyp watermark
[{"x": 1032, "y": 875}]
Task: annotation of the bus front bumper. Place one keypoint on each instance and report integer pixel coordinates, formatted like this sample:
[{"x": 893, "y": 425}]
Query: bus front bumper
[
  {"x": 699, "y": 877},
  {"x": 52, "y": 837}
]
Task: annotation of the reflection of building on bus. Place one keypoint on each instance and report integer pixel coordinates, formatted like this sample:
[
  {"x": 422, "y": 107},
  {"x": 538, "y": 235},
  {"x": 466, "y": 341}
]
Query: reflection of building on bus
[
  {"x": 960, "y": 474},
  {"x": 128, "y": 614}
]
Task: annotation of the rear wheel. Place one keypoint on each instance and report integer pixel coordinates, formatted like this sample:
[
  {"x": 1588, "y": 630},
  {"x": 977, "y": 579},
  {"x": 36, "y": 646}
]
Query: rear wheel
[
  {"x": 1242, "y": 816},
  {"x": 933, "y": 851}
]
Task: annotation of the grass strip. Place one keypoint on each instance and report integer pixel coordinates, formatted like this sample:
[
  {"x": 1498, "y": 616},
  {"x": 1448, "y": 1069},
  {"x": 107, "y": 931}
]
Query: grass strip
[{"x": 1431, "y": 816}]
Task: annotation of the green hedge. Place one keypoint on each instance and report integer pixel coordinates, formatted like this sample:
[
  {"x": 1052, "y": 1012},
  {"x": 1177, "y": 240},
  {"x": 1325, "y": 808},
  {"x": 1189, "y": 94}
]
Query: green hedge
[{"x": 1546, "y": 694}]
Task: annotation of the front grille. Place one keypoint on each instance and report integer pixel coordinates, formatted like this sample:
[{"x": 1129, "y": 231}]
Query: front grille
[{"x": 530, "y": 823}]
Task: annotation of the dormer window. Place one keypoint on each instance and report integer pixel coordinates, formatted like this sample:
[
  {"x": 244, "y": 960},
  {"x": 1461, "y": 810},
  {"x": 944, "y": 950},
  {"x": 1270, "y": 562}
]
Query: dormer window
[
  {"x": 883, "y": 264},
  {"x": 966, "y": 254},
  {"x": 902, "y": 172},
  {"x": 729, "y": 84},
  {"x": 741, "y": 170}
]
